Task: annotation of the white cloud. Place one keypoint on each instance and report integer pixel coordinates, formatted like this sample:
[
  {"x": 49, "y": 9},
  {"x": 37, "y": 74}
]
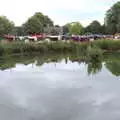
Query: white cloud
[{"x": 60, "y": 11}]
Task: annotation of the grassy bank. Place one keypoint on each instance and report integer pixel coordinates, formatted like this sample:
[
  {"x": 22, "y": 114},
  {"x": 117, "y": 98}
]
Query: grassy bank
[{"x": 58, "y": 47}]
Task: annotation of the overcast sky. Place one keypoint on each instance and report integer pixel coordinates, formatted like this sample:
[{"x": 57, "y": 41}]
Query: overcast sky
[{"x": 60, "y": 11}]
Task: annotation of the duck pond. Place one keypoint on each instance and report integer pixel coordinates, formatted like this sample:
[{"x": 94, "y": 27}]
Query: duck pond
[{"x": 60, "y": 87}]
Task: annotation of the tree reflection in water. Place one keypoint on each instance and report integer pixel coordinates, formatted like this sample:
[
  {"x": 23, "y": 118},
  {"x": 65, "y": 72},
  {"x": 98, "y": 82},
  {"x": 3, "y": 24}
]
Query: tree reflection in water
[{"x": 94, "y": 64}]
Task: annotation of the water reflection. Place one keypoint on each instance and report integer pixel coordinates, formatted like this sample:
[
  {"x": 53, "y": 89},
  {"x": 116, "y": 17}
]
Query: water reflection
[
  {"x": 113, "y": 67},
  {"x": 94, "y": 65},
  {"x": 57, "y": 87}
]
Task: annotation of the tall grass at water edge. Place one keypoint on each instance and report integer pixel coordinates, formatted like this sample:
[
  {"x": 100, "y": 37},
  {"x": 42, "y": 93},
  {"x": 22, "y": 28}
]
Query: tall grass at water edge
[{"x": 59, "y": 47}]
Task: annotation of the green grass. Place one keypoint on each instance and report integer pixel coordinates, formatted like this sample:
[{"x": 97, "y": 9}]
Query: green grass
[
  {"x": 109, "y": 45},
  {"x": 59, "y": 47}
]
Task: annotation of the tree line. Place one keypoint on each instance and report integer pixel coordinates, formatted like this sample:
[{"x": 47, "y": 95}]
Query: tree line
[{"x": 40, "y": 23}]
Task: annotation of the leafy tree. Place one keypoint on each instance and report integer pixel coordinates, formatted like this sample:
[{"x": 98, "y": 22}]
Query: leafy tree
[
  {"x": 103, "y": 29},
  {"x": 33, "y": 25},
  {"x": 37, "y": 23},
  {"x": 95, "y": 28},
  {"x": 55, "y": 30},
  {"x": 19, "y": 31},
  {"x": 112, "y": 19},
  {"x": 57, "y": 26},
  {"x": 65, "y": 29},
  {"x": 75, "y": 28},
  {"x": 6, "y": 25}
]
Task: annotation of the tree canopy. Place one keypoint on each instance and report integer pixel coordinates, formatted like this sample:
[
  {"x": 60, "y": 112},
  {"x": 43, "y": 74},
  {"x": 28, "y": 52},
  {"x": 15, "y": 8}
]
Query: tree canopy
[
  {"x": 75, "y": 28},
  {"x": 6, "y": 25},
  {"x": 65, "y": 29},
  {"x": 37, "y": 23},
  {"x": 55, "y": 30},
  {"x": 94, "y": 28},
  {"x": 40, "y": 23},
  {"x": 18, "y": 31},
  {"x": 112, "y": 19}
]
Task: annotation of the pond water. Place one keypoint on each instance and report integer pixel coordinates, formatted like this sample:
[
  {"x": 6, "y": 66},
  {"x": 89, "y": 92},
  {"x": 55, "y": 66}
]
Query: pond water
[{"x": 59, "y": 89}]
